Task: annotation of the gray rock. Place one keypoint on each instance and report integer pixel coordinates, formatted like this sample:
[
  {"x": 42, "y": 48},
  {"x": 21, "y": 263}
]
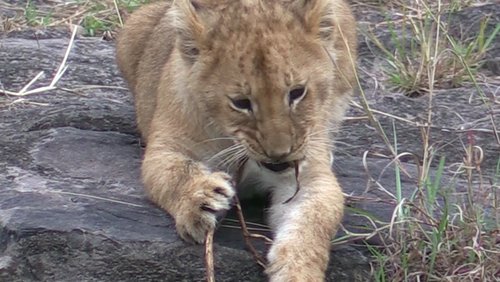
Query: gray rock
[{"x": 71, "y": 204}]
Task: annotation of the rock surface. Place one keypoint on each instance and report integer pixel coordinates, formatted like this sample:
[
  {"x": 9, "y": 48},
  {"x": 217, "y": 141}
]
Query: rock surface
[
  {"x": 458, "y": 114},
  {"x": 71, "y": 204}
]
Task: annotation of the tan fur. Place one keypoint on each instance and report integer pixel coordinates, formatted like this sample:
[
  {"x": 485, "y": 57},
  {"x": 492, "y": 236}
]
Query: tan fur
[{"x": 184, "y": 62}]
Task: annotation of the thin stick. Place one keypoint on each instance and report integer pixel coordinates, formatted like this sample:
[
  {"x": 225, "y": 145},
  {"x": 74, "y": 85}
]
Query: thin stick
[
  {"x": 25, "y": 88},
  {"x": 209, "y": 256},
  {"x": 97, "y": 198},
  {"x": 297, "y": 188},
  {"x": 63, "y": 67},
  {"x": 244, "y": 229},
  {"x": 247, "y": 235},
  {"x": 118, "y": 13}
]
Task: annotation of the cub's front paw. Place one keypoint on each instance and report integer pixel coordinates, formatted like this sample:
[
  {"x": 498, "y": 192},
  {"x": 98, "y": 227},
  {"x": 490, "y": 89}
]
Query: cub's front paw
[
  {"x": 207, "y": 199},
  {"x": 294, "y": 261}
]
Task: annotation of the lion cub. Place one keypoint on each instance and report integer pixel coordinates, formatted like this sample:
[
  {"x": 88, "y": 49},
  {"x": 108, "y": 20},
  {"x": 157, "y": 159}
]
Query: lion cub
[{"x": 254, "y": 83}]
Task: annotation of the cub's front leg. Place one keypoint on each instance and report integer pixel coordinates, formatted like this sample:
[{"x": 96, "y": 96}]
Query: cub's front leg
[
  {"x": 305, "y": 225},
  {"x": 193, "y": 194}
]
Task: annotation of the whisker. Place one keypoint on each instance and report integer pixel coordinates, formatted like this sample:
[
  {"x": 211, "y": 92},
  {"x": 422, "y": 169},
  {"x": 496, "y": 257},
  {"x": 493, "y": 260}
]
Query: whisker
[
  {"x": 215, "y": 139},
  {"x": 224, "y": 154},
  {"x": 238, "y": 159},
  {"x": 233, "y": 158},
  {"x": 318, "y": 132},
  {"x": 227, "y": 151}
]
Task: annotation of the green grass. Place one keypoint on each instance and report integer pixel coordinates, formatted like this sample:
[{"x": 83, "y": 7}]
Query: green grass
[
  {"x": 419, "y": 34},
  {"x": 95, "y": 17},
  {"x": 439, "y": 240},
  {"x": 106, "y": 16},
  {"x": 33, "y": 18},
  {"x": 440, "y": 232}
]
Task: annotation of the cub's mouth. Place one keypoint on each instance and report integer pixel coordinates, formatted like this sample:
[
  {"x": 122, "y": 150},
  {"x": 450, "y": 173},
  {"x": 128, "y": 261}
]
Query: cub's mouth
[{"x": 277, "y": 167}]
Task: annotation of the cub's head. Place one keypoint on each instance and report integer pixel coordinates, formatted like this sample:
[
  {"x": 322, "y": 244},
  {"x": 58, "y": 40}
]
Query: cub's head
[{"x": 272, "y": 74}]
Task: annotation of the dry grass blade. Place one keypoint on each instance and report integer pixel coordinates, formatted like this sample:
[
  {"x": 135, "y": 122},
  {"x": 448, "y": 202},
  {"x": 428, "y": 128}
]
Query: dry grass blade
[
  {"x": 209, "y": 256},
  {"x": 59, "y": 73},
  {"x": 247, "y": 236},
  {"x": 96, "y": 198},
  {"x": 244, "y": 229}
]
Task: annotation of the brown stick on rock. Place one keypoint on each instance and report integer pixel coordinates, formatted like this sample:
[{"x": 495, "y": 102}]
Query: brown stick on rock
[
  {"x": 209, "y": 256},
  {"x": 247, "y": 235}
]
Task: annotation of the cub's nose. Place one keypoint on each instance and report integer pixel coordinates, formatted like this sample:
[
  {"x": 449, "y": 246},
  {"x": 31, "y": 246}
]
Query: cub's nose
[
  {"x": 276, "y": 143},
  {"x": 278, "y": 153}
]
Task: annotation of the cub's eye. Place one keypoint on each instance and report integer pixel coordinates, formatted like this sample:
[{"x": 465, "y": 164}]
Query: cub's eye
[
  {"x": 242, "y": 104},
  {"x": 296, "y": 94}
]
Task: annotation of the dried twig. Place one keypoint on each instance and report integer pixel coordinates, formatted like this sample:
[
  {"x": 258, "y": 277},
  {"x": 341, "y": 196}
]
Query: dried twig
[
  {"x": 59, "y": 73},
  {"x": 209, "y": 256},
  {"x": 296, "y": 165},
  {"x": 247, "y": 235},
  {"x": 209, "y": 242},
  {"x": 209, "y": 259}
]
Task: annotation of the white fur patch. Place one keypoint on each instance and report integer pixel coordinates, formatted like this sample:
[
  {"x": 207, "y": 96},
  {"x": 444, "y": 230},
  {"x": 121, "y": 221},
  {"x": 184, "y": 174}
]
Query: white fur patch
[
  {"x": 284, "y": 225},
  {"x": 283, "y": 186},
  {"x": 256, "y": 179}
]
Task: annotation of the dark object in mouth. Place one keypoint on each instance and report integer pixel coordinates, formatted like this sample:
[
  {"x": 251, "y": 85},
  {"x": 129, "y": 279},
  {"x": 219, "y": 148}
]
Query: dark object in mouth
[{"x": 278, "y": 167}]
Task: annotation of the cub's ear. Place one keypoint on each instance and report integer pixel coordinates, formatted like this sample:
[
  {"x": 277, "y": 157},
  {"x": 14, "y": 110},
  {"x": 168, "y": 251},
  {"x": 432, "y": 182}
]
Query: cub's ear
[
  {"x": 186, "y": 19},
  {"x": 316, "y": 16}
]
